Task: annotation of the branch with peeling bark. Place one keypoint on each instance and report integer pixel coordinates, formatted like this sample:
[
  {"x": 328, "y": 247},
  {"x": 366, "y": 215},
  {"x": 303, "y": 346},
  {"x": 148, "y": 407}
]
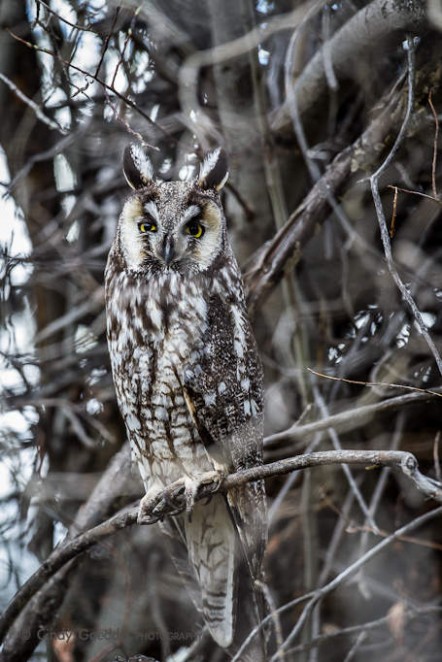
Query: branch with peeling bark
[
  {"x": 172, "y": 500},
  {"x": 379, "y": 21}
]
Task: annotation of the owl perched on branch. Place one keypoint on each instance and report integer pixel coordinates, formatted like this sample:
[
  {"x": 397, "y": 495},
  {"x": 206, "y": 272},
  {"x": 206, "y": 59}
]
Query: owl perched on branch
[{"x": 187, "y": 373}]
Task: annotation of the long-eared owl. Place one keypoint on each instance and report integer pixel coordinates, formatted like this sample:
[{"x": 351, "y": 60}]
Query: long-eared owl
[{"x": 186, "y": 369}]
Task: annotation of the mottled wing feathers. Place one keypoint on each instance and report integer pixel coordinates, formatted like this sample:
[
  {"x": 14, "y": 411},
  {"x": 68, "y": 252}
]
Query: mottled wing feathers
[
  {"x": 227, "y": 412},
  {"x": 226, "y": 394}
]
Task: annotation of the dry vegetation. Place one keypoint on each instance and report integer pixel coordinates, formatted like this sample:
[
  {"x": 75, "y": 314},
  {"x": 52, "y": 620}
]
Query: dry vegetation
[{"x": 330, "y": 114}]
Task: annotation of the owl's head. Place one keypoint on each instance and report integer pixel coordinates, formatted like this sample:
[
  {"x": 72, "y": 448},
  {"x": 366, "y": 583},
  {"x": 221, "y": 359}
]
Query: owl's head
[{"x": 172, "y": 226}]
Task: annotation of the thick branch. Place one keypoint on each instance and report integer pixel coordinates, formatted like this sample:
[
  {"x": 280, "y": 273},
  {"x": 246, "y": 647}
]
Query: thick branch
[
  {"x": 172, "y": 500},
  {"x": 284, "y": 250},
  {"x": 379, "y": 21}
]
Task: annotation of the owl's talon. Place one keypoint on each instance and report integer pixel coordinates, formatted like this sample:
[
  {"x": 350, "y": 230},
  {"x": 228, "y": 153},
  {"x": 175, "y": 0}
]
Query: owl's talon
[
  {"x": 148, "y": 505},
  {"x": 193, "y": 485},
  {"x": 173, "y": 499},
  {"x": 157, "y": 499},
  {"x": 216, "y": 476}
]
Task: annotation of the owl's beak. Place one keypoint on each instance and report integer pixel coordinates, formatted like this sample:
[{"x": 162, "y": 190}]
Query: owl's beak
[{"x": 168, "y": 251}]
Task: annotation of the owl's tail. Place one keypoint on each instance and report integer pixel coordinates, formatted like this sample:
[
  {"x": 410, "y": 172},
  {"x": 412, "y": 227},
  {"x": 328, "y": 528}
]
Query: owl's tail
[{"x": 211, "y": 542}]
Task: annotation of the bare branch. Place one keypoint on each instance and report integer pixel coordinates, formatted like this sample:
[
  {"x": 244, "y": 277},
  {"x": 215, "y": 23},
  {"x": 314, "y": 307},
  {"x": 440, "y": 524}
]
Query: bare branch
[
  {"x": 374, "y": 183},
  {"x": 172, "y": 500},
  {"x": 411, "y": 615},
  {"x": 124, "y": 98},
  {"x": 314, "y": 597},
  {"x": 284, "y": 250},
  {"x": 435, "y": 146},
  {"x": 379, "y": 20},
  {"x": 189, "y": 72},
  {"x": 346, "y": 421},
  {"x": 34, "y": 106}
]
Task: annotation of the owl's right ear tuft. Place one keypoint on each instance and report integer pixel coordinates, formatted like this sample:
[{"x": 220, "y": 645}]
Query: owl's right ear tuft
[
  {"x": 137, "y": 167},
  {"x": 214, "y": 171}
]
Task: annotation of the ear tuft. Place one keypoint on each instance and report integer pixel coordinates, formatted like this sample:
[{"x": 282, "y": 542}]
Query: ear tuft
[
  {"x": 137, "y": 167},
  {"x": 213, "y": 172}
]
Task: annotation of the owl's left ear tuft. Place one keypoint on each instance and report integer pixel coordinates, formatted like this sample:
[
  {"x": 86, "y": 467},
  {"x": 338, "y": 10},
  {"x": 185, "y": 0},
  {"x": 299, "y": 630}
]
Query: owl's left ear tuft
[
  {"x": 213, "y": 172},
  {"x": 137, "y": 167}
]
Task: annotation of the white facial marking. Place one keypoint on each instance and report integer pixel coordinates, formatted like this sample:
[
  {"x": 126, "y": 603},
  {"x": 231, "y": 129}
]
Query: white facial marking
[
  {"x": 191, "y": 212},
  {"x": 131, "y": 240},
  {"x": 209, "y": 244},
  {"x": 151, "y": 208}
]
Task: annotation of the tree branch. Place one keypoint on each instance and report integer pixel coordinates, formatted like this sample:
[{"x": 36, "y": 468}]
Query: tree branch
[
  {"x": 284, "y": 250},
  {"x": 385, "y": 236},
  {"x": 109, "y": 88},
  {"x": 378, "y": 21},
  {"x": 345, "y": 421},
  {"x": 314, "y": 597},
  {"x": 172, "y": 500}
]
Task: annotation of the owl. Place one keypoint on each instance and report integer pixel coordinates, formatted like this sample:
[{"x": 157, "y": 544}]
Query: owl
[{"x": 186, "y": 370}]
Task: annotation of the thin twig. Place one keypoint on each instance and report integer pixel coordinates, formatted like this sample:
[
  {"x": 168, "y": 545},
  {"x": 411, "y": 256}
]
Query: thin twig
[
  {"x": 345, "y": 421},
  {"x": 320, "y": 402},
  {"x": 419, "y": 193},
  {"x": 436, "y": 459},
  {"x": 374, "y": 183},
  {"x": 314, "y": 597},
  {"x": 382, "y": 384},
  {"x": 106, "y": 44},
  {"x": 125, "y": 99},
  {"x": 35, "y": 107},
  {"x": 394, "y": 213},
  {"x": 75, "y": 26},
  {"x": 375, "y": 501},
  {"x": 435, "y": 141},
  {"x": 409, "y": 110},
  {"x": 355, "y": 629},
  {"x": 353, "y": 650}
]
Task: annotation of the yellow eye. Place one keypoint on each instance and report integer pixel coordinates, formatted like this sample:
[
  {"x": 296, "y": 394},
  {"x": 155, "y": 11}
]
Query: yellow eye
[
  {"x": 147, "y": 227},
  {"x": 195, "y": 229}
]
